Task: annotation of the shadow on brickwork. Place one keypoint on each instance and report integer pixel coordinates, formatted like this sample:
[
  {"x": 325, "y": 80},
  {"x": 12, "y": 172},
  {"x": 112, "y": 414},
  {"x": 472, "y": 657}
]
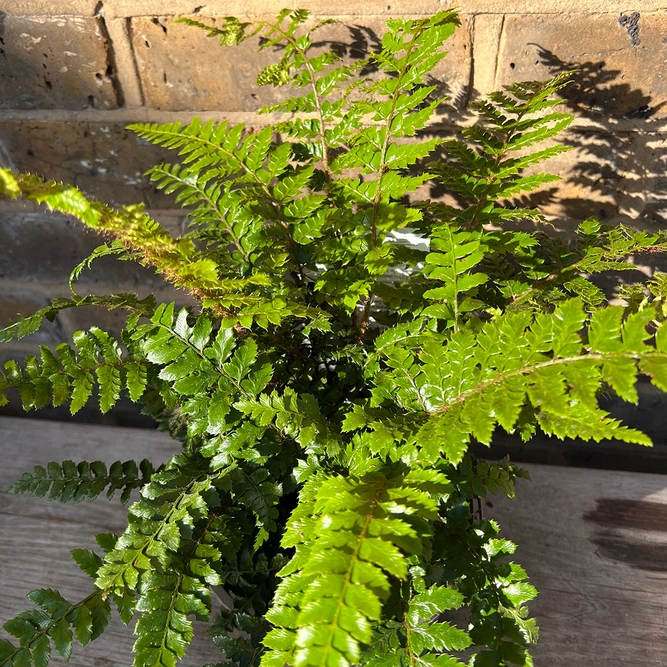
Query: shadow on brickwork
[
  {"x": 628, "y": 167},
  {"x": 619, "y": 170}
]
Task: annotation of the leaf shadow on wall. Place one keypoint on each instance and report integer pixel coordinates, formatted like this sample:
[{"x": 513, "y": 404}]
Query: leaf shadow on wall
[
  {"x": 621, "y": 161},
  {"x": 619, "y": 170},
  {"x": 616, "y": 172}
]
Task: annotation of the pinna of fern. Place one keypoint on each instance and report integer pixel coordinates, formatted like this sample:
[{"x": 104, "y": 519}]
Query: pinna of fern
[{"x": 327, "y": 386}]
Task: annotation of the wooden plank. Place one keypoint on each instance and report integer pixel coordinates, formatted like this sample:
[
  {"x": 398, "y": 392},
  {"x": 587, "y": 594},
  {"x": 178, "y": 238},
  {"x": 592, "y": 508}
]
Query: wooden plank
[
  {"x": 594, "y": 543},
  {"x": 36, "y": 535}
]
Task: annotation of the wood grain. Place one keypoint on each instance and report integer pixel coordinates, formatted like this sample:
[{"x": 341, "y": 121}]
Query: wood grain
[
  {"x": 593, "y": 541},
  {"x": 36, "y": 535}
]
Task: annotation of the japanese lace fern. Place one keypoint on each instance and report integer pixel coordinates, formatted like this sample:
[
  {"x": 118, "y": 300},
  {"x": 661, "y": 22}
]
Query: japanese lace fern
[{"x": 328, "y": 385}]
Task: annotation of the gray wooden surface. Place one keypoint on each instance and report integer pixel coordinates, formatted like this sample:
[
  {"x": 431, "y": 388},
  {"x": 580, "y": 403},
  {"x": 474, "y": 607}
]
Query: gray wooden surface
[
  {"x": 36, "y": 535},
  {"x": 594, "y": 543}
]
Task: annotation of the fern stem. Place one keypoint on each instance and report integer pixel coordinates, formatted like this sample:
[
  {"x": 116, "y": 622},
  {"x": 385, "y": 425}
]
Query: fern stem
[
  {"x": 382, "y": 168},
  {"x": 325, "y": 150},
  {"x": 455, "y": 274},
  {"x": 408, "y": 642},
  {"x": 316, "y": 94}
]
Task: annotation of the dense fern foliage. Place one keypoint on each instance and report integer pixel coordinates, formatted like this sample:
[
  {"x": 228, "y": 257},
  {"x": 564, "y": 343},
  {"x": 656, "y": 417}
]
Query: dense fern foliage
[{"x": 352, "y": 339}]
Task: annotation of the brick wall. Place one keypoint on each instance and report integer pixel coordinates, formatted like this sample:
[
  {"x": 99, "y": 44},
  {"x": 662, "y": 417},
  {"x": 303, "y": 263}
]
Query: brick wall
[{"x": 73, "y": 73}]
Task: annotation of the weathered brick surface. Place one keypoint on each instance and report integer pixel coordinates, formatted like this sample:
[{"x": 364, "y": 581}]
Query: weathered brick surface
[
  {"x": 621, "y": 62},
  {"x": 183, "y": 69},
  {"x": 244, "y": 8},
  {"x": 26, "y": 302},
  {"x": 103, "y": 159},
  {"x": 387, "y": 8},
  {"x": 55, "y": 63},
  {"x": 323, "y": 7},
  {"x": 49, "y": 8},
  {"x": 42, "y": 249},
  {"x": 618, "y": 178}
]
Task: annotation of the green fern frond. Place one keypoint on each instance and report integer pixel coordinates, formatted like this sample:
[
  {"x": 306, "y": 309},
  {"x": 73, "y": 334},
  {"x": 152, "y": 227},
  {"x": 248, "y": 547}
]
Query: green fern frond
[
  {"x": 68, "y": 482},
  {"x": 420, "y": 639},
  {"x": 243, "y": 650},
  {"x": 55, "y": 624},
  {"x": 115, "y": 248},
  {"x": 470, "y": 384},
  {"x": 177, "y": 259},
  {"x": 231, "y": 32},
  {"x": 170, "y": 502},
  {"x": 459, "y": 253},
  {"x": 352, "y": 540},
  {"x": 71, "y": 375},
  {"x": 481, "y": 168},
  {"x": 296, "y": 416},
  {"x": 496, "y": 590},
  {"x": 219, "y": 146}
]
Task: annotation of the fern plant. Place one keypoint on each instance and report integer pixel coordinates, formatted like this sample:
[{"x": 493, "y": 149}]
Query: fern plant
[{"x": 327, "y": 387}]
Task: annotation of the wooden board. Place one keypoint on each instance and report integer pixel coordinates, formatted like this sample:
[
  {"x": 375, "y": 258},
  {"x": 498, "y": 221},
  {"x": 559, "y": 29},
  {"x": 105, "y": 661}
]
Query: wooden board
[
  {"x": 36, "y": 535},
  {"x": 594, "y": 543}
]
